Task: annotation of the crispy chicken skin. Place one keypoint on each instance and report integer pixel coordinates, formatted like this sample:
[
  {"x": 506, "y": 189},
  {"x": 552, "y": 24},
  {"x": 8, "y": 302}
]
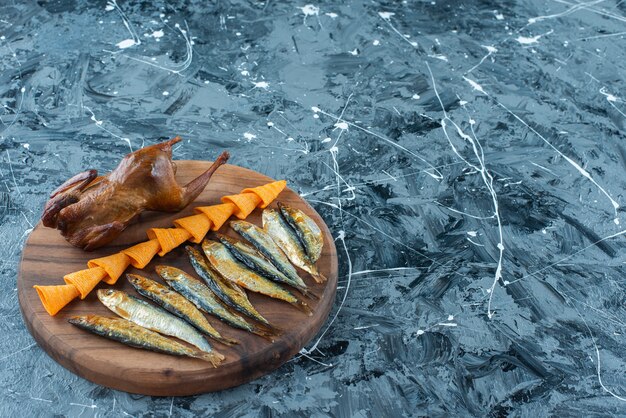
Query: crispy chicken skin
[{"x": 91, "y": 210}]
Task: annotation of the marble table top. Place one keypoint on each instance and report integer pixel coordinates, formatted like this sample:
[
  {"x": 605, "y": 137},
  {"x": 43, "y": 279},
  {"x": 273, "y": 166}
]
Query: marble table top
[{"x": 469, "y": 158}]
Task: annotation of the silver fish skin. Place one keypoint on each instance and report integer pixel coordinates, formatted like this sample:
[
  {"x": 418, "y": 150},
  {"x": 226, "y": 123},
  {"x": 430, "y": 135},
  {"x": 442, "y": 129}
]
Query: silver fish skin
[
  {"x": 228, "y": 267},
  {"x": 285, "y": 238},
  {"x": 148, "y": 316},
  {"x": 255, "y": 261},
  {"x": 177, "y": 304},
  {"x": 229, "y": 292},
  {"x": 306, "y": 229},
  {"x": 266, "y": 246},
  {"x": 126, "y": 332},
  {"x": 204, "y": 298}
]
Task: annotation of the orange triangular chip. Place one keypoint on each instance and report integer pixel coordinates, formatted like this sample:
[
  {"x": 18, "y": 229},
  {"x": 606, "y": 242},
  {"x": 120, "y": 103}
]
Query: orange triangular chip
[
  {"x": 54, "y": 298},
  {"x": 85, "y": 280},
  {"x": 169, "y": 238},
  {"x": 245, "y": 203},
  {"x": 218, "y": 214},
  {"x": 142, "y": 253},
  {"x": 267, "y": 192},
  {"x": 114, "y": 265},
  {"x": 197, "y": 225}
]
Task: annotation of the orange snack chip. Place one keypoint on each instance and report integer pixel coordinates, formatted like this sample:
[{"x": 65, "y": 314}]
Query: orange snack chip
[
  {"x": 245, "y": 203},
  {"x": 218, "y": 214},
  {"x": 114, "y": 265},
  {"x": 197, "y": 225},
  {"x": 267, "y": 192},
  {"x": 168, "y": 238},
  {"x": 142, "y": 253},
  {"x": 85, "y": 280},
  {"x": 54, "y": 298}
]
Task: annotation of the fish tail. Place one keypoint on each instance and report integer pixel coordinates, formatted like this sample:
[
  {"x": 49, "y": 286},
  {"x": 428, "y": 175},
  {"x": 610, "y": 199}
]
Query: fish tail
[
  {"x": 225, "y": 341},
  {"x": 266, "y": 331},
  {"x": 212, "y": 357},
  {"x": 263, "y": 330},
  {"x": 303, "y": 307},
  {"x": 257, "y": 317},
  {"x": 307, "y": 292},
  {"x": 318, "y": 277}
]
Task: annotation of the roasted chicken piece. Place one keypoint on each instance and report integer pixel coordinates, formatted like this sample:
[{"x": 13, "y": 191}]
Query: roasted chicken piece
[{"x": 91, "y": 211}]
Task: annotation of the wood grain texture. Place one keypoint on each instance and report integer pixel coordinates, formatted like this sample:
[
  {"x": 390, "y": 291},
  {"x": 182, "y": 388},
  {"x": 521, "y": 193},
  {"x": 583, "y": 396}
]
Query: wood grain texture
[{"x": 47, "y": 257}]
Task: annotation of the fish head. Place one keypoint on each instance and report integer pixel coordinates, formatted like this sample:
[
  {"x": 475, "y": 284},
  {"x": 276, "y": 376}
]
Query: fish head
[
  {"x": 208, "y": 244},
  {"x": 168, "y": 273},
  {"x": 213, "y": 249},
  {"x": 196, "y": 256},
  {"x": 138, "y": 281},
  {"x": 115, "y": 300},
  {"x": 226, "y": 239},
  {"x": 269, "y": 215},
  {"x": 240, "y": 246},
  {"x": 193, "y": 252},
  {"x": 208, "y": 247},
  {"x": 289, "y": 212},
  {"x": 111, "y": 297},
  {"x": 241, "y": 226}
]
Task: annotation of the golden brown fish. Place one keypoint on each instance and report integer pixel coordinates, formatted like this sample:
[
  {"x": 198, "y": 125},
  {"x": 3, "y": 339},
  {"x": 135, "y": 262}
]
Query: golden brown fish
[
  {"x": 133, "y": 335},
  {"x": 176, "y": 304},
  {"x": 255, "y": 261},
  {"x": 149, "y": 316},
  {"x": 266, "y": 246},
  {"x": 285, "y": 238},
  {"x": 204, "y": 299},
  {"x": 230, "y": 293},
  {"x": 224, "y": 263},
  {"x": 306, "y": 229}
]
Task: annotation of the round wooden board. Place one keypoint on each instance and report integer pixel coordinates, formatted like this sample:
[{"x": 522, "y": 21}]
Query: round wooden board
[{"x": 47, "y": 257}]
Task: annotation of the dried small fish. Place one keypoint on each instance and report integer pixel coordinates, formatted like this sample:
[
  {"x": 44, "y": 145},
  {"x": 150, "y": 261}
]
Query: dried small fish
[
  {"x": 176, "y": 304},
  {"x": 223, "y": 262},
  {"x": 204, "y": 298},
  {"x": 133, "y": 335},
  {"x": 285, "y": 238},
  {"x": 149, "y": 316},
  {"x": 230, "y": 293},
  {"x": 306, "y": 229},
  {"x": 255, "y": 261},
  {"x": 266, "y": 246}
]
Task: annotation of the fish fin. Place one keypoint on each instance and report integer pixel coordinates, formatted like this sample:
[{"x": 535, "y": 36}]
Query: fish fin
[
  {"x": 236, "y": 287},
  {"x": 307, "y": 292},
  {"x": 122, "y": 312},
  {"x": 226, "y": 341},
  {"x": 269, "y": 332},
  {"x": 318, "y": 277},
  {"x": 213, "y": 357},
  {"x": 303, "y": 307}
]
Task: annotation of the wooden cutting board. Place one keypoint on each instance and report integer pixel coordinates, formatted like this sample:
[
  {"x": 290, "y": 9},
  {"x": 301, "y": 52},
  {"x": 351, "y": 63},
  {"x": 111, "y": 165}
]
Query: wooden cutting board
[{"x": 47, "y": 257}]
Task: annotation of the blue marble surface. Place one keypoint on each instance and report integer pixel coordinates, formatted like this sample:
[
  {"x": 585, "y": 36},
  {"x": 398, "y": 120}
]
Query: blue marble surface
[{"x": 469, "y": 158}]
